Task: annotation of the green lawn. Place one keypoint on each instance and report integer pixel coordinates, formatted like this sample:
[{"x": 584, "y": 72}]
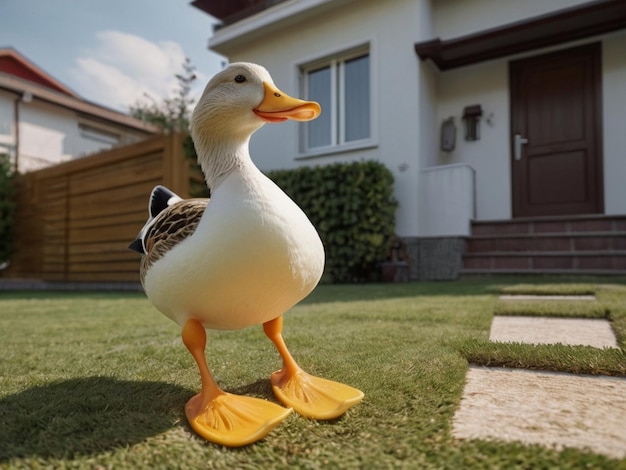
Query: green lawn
[{"x": 99, "y": 380}]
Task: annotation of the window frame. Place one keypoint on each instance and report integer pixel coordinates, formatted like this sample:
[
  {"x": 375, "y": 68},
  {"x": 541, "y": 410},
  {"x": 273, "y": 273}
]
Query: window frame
[{"x": 336, "y": 60}]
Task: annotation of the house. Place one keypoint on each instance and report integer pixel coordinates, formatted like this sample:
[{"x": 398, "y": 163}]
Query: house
[
  {"x": 42, "y": 122},
  {"x": 502, "y": 121}
]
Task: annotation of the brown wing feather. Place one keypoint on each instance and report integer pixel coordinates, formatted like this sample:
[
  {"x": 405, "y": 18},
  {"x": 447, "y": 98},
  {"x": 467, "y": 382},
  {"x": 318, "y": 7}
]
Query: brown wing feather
[{"x": 171, "y": 226}]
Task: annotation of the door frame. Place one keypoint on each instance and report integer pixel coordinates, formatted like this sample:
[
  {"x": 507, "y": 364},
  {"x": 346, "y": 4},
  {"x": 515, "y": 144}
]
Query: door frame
[{"x": 516, "y": 98}]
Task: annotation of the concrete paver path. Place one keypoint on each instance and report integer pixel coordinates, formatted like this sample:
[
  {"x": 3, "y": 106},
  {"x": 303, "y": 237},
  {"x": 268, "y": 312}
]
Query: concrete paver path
[
  {"x": 551, "y": 409},
  {"x": 546, "y": 297},
  {"x": 556, "y": 410},
  {"x": 551, "y": 330}
]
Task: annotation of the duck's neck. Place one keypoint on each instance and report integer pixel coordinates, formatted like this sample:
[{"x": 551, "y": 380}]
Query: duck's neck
[{"x": 221, "y": 158}]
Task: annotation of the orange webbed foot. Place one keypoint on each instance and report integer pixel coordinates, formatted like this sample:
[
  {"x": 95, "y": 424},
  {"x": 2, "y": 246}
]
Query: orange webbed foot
[
  {"x": 312, "y": 397},
  {"x": 233, "y": 420}
]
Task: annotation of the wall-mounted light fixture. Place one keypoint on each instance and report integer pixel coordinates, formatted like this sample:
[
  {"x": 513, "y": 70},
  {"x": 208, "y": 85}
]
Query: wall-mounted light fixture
[{"x": 471, "y": 119}]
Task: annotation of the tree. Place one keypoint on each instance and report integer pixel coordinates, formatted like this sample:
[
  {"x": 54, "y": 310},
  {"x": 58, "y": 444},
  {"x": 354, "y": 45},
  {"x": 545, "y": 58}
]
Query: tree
[
  {"x": 171, "y": 114},
  {"x": 7, "y": 207}
]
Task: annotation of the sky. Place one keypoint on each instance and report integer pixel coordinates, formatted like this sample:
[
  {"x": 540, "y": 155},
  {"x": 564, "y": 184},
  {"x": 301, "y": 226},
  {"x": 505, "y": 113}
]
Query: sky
[{"x": 112, "y": 52}]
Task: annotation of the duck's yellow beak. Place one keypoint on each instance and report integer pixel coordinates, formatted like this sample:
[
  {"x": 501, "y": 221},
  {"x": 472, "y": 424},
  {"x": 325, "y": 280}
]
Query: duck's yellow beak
[{"x": 278, "y": 107}]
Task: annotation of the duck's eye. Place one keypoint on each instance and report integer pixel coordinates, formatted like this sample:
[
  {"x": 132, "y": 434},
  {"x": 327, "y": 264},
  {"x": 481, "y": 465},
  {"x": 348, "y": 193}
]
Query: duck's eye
[{"x": 240, "y": 79}]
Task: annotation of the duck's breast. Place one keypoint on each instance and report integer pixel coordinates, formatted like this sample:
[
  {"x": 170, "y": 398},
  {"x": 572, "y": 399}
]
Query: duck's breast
[{"x": 253, "y": 256}]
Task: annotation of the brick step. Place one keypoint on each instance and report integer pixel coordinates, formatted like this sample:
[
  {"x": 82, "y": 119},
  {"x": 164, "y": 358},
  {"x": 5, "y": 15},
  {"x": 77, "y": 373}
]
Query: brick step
[
  {"x": 513, "y": 261},
  {"x": 535, "y": 272},
  {"x": 574, "y": 242},
  {"x": 588, "y": 244},
  {"x": 552, "y": 225}
]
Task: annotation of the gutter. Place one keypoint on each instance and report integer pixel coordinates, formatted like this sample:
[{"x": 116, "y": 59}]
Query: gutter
[{"x": 274, "y": 18}]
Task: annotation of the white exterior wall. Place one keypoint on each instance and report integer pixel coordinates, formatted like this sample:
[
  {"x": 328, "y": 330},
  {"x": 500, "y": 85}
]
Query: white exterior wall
[
  {"x": 487, "y": 84},
  {"x": 614, "y": 122},
  {"x": 454, "y": 18},
  {"x": 44, "y": 133},
  {"x": 7, "y": 123},
  {"x": 391, "y": 29},
  {"x": 51, "y": 134}
]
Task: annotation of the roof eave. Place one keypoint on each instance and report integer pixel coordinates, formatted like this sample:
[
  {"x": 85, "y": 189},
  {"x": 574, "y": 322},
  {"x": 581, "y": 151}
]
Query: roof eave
[
  {"x": 276, "y": 17},
  {"x": 579, "y": 22},
  {"x": 231, "y": 11},
  {"x": 20, "y": 87}
]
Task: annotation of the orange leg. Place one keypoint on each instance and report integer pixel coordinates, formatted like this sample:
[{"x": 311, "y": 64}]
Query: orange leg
[
  {"x": 194, "y": 337},
  {"x": 221, "y": 417},
  {"x": 310, "y": 396}
]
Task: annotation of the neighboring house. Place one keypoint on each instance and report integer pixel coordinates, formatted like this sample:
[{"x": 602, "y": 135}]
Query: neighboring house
[
  {"x": 484, "y": 110},
  {"x": 42, "y": 122}
]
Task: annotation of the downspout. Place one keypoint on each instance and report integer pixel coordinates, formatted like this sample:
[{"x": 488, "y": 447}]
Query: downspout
[
  {"x": 25, "y": 97},
  {"x": 16, "y": 127}
]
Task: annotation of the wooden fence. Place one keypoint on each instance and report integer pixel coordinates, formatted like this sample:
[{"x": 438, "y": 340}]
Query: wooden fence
[{"x": 75, "y": 220}]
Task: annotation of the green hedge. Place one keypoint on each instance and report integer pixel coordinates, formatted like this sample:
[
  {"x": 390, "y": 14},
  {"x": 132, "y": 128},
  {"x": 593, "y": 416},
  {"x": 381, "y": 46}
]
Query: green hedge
[
  {"x": 7, "y": 207},
  {"x": 353, "y": 209}
]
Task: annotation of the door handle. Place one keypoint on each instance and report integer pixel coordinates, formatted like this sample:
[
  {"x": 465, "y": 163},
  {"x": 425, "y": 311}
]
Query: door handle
[{"x": 518, "y": 142}]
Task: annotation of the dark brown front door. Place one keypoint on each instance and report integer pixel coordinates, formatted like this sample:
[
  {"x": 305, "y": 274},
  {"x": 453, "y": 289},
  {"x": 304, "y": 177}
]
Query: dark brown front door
[{"x": 556, "y": 133}]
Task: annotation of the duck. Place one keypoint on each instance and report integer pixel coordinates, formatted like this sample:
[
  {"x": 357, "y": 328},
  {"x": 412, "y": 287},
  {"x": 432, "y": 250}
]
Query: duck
[{"x": 241, "y": 258}]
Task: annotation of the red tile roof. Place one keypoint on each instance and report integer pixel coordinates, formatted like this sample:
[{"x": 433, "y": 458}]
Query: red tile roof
[{"x": 13, "y": 63}]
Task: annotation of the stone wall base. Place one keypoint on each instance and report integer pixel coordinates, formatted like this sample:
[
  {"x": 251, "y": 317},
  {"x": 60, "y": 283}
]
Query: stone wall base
[{"x": 434, "y": 258}]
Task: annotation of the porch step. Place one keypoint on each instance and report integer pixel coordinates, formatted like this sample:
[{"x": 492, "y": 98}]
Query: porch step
[
  {"x": 554, "y": 242},
  {"x": 551, "y": 225},
  {"x": 557, "y": 245},
  {"x": 547, "y": 260}
]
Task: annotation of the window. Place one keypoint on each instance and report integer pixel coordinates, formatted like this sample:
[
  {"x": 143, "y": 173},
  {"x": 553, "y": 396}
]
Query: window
[
  {"x": 98, "y": 135},
  {"x": 341, "y": 86}
]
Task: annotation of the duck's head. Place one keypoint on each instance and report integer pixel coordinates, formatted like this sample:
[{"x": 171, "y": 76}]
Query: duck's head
[{"x": 239, "y": 100}]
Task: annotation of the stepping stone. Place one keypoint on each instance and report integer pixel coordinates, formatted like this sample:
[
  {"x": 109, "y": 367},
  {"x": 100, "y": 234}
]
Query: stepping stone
[
  {"x": 551, "y": 330},
  {"x": 551, "y": 409},
  {"x": 547, "y": 297}
]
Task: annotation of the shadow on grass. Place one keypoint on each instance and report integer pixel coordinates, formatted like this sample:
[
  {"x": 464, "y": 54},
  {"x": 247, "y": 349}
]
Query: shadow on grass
[
  {"x": 86, "y": 416},
  {"x": 262, "y": 388}
]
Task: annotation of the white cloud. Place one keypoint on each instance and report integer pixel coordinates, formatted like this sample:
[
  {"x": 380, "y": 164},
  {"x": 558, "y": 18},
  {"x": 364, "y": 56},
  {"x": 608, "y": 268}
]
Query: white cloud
[
  {"x": 105, "y": 84},
  {"x": 124, "y": 67}
]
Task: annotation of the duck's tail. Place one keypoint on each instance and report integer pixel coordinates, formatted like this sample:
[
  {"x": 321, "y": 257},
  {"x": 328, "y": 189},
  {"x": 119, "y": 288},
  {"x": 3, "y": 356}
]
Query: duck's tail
[{"x": 160, "y": 199}]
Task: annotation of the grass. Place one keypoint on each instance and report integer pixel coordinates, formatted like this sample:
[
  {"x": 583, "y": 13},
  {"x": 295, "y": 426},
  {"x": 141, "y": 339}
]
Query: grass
[
  {"x": 556, "y": 357},
  {"x": 573, "y": 359},
  {"x": 99, "y": 380},
  {"x": 574, "y": 288},
  {"x": 552, "y": 308}
]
